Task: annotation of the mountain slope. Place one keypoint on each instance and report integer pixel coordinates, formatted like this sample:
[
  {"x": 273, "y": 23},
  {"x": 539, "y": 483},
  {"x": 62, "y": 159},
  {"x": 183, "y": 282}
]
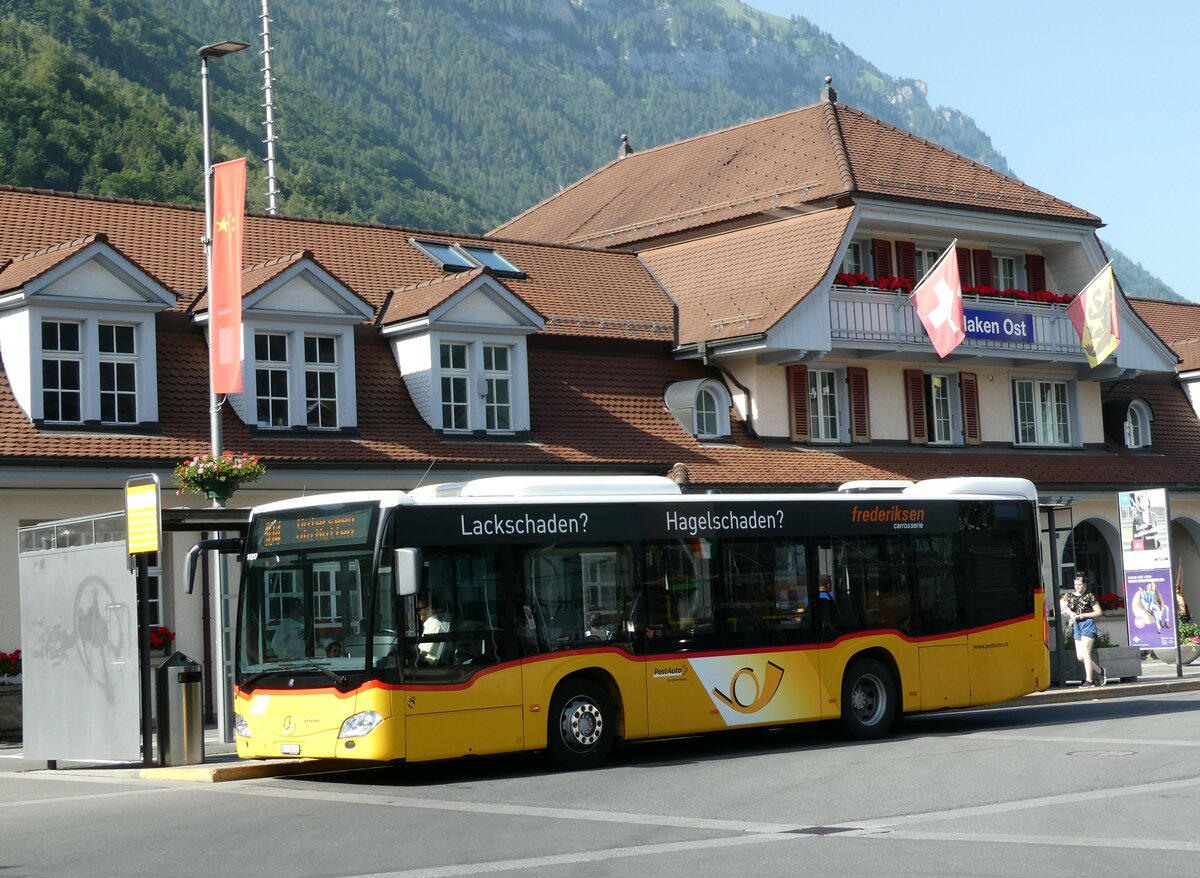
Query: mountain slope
[{"x": 452, "y": 114}]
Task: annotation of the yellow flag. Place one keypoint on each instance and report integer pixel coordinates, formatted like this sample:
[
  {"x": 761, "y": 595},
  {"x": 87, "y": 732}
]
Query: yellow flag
[{"x": 1094, "y": 316}]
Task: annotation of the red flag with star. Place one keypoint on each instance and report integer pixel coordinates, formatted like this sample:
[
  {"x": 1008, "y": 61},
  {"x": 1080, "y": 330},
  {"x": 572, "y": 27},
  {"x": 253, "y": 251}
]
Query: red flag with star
[
  {"x": 937, "y": 299},
  {"x": 225, "y": 295}
]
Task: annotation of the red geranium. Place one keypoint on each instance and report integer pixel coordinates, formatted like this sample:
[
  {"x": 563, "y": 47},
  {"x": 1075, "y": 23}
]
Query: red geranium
[{"x": 161, "y": 637}]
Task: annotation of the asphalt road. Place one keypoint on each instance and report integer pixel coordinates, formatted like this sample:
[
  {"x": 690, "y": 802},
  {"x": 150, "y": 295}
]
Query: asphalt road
[{"x": 1087, "y": 788}]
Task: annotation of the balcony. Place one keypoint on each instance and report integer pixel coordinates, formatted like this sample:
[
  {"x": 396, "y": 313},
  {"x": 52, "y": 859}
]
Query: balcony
[{"x": 871, "y": 319}]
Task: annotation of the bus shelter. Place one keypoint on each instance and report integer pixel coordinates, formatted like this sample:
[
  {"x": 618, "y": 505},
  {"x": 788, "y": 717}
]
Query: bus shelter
[{"x": 79, "y": 636}]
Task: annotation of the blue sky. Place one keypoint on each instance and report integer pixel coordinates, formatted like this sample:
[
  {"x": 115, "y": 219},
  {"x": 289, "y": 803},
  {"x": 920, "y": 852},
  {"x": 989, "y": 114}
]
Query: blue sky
[{"x": 1092, "y": 101}]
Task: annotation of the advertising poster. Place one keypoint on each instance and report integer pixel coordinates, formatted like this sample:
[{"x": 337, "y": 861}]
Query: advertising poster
[{"x": 1146, "y": 552}]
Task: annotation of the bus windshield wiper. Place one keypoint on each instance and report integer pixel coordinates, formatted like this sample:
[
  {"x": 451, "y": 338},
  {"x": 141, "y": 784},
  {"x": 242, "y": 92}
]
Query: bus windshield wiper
[{"x": 338, "y": 679}]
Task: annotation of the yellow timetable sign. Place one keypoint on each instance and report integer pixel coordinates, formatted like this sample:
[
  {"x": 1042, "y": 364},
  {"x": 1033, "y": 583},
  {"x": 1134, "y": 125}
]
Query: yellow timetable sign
[{"x": 142, "y": 515}]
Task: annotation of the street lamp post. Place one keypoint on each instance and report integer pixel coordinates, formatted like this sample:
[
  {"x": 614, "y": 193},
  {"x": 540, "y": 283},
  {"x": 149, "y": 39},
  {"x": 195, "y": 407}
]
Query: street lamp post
[
  {"x": 216, "y": 563},
  {"x": 216, "y": 50}
]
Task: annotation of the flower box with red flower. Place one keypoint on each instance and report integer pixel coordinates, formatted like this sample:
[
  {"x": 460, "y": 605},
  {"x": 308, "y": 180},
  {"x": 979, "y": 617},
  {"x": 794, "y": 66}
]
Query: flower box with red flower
[{"x": 161, "y": 638}]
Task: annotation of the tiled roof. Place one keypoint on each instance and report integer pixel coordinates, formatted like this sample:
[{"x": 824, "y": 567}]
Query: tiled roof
[
  {"x": 742, "y": 283},
  {"x": 1177, "y": 324},
  {"x": 800, "y": 157},
  {"x": 577, "y": 290},
  {"x": 19, "y": 270}
]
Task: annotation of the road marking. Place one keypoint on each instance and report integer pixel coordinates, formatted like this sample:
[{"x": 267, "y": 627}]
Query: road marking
[
  {"x": 508, "y": 810},
  {"x": 1145, "y": 844},
  {"x": 581, "y": 857},
  {"x": 1075, "y": 740}
]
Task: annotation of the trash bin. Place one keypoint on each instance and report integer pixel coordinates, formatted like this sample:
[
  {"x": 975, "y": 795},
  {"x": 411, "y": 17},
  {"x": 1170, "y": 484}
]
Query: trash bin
[{"x": 179, "y": 688}]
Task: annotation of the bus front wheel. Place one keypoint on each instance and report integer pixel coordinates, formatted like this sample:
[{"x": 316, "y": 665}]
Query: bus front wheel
[
  {"x": 870, "y": 702},
  {"x": 582, "y": 724}
]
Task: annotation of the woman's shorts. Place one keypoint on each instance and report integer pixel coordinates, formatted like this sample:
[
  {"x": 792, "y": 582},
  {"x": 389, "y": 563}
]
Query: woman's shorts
[{"x": 1085, "y": 628}]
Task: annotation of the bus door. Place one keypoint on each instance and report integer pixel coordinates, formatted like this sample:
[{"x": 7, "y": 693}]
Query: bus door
[
  {"x": 461, "y": 688},
  {"x": 941, "y": 619},
  {"x": 576, "y": 614}
]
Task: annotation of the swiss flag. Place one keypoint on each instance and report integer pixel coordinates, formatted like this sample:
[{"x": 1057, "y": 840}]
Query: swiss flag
[{"x": 938, "y": 302}]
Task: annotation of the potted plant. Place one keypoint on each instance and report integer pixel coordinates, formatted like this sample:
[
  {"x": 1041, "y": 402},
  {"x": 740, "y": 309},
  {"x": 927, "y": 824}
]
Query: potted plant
[
  {"x": 1119, "y": 662},
  {"x": 217, "y": 477},
  {"x": 10, "y": 691},
  {"x": 161, "y": 638},
  {"x": 1189, "y": 644},
  {"x": 10, "y": 668}
]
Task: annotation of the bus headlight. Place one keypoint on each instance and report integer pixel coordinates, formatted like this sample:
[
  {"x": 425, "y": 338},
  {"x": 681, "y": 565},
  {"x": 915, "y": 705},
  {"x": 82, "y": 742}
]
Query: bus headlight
[
  {"x": 360, "y": 724},
  {"x": 241, "y": 726}
]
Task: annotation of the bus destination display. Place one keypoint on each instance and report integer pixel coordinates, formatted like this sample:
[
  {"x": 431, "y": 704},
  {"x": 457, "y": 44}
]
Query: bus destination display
[{"x": 334, "y": 528}]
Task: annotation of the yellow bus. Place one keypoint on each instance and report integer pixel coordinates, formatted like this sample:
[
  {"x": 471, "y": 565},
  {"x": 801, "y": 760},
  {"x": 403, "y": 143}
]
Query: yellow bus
[{"x": 564, "y": 613}]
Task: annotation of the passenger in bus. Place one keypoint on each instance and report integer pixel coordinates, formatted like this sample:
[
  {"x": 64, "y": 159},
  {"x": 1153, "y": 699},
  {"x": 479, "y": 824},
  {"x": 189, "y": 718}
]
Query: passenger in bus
[
  {"x": 596, "y": 630},
  {"x": 825, "y": 588},
  {"x": 288, "y": 641},
  {"x": 334, "y": 649},
  {"x": 433, "y": 621}
]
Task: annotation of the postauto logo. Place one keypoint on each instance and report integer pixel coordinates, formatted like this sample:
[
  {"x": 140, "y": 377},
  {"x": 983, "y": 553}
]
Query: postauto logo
[{"x": 742, "y": 693}]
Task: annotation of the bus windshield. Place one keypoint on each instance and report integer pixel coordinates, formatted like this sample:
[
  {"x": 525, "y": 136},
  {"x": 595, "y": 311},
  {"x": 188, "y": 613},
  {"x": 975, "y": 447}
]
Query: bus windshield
[{"x": 306, "y": 591}]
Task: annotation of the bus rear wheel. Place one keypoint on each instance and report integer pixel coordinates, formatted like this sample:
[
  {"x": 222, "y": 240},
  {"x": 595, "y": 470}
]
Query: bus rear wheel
[
  {"x": 582, "y": 724},
  {"x": 870, "y": 703}
]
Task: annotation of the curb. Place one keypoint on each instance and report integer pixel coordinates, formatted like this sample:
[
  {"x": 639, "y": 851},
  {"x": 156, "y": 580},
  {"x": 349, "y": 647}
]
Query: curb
[
  {"x": 219, "y": 772},
  {"x": 1113, "y": 690}
]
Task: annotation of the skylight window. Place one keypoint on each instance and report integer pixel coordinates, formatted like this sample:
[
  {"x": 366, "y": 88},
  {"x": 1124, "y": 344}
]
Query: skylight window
[
  {"x": 461, "y": 257},
  {"x": 493, "y": 260}
]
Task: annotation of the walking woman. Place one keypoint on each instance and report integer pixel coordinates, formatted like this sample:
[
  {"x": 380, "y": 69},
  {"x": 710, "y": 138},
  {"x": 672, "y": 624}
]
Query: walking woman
[{"x": 1081, "y": 610}]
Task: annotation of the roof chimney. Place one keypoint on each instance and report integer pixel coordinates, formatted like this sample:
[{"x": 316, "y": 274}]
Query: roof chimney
[
  {"x": 624, "y": 149},
  {"x": 827, "y": 93}
]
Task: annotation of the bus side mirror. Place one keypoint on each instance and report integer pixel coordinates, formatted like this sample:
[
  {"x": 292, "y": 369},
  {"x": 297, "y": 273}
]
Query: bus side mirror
[
  {"x": 229, "y": 546},
  {"x": 407, "y": 571}
]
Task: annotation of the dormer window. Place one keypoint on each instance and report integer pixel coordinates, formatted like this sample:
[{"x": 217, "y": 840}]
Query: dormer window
[
  {"x": 276, "y": 374},
  {"x": 483, "y": 365},
  {"x": 90, "y": 371},
  {"x": 701, "y": 407},
  {"x": 467, "y": 257}
]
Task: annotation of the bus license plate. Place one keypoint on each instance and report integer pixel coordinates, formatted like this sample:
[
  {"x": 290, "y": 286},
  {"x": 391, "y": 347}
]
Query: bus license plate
[{"x": 289, "y": 749}]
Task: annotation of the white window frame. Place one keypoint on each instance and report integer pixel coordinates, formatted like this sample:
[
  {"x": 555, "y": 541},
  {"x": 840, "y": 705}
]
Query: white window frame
[
  {"x": 1004, "y": 271},
  {"x": 852, "y": 262},
  {"x": 455, "y": 384},
  {"x": 1032, "y": 431},
  {"x": 941, "y": 396},
  {"x": 706, "y": 420},
  {"x": 60, "y": 356},
  {"x": 296, "y": 369},
  {"x": 497, "y": 382},
  {"x": 90, "y": 359},
  {"x": 1138, "y": 418},
  {"x": 479, "y": 384},
  {"x": 323, "y": 371},
  {"x": 924, "y": 258},
  {"x": 112, "y": 361},
  {"x": 828, "y": 405},
  {"x": 272, "y": 367}
]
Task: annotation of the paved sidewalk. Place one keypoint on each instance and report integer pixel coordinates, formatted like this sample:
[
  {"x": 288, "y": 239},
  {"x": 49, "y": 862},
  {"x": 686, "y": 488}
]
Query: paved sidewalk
[{"x": 221, "y": 762}]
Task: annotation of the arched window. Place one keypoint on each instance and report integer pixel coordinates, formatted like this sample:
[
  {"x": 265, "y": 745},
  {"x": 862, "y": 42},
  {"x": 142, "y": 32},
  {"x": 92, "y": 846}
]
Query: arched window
[
  {"x": 706, "y": 415},
  {"x": 701, "y": 407},
  {"x": 1137, "y": 424}
]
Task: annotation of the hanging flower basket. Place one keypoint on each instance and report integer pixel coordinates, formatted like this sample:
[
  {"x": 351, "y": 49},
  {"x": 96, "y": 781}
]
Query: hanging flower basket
[{"x": 218, "y": 477}]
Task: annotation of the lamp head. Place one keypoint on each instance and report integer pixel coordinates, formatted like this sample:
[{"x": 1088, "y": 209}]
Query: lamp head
[{"x": 218, "y": 50}]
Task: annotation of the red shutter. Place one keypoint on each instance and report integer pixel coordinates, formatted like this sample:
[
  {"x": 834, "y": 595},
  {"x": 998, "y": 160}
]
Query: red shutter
[
  {"x": 797, "y": 378},
  {"x": 969, "y": 389},
  {"x": 914, "y": 392},
  {"x": 983, "y": 267},
  {"x": 860, "y": 419},
  {"x": 964, "y": 266},
  {"x": 906, "y": 259},
  {"x": 1035, "y": 272},
  {"x": 881, "y": 255}
]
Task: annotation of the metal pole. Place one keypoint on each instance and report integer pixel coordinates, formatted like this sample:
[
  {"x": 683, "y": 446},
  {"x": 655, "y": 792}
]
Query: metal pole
[{"x": 216, "y": 562}]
